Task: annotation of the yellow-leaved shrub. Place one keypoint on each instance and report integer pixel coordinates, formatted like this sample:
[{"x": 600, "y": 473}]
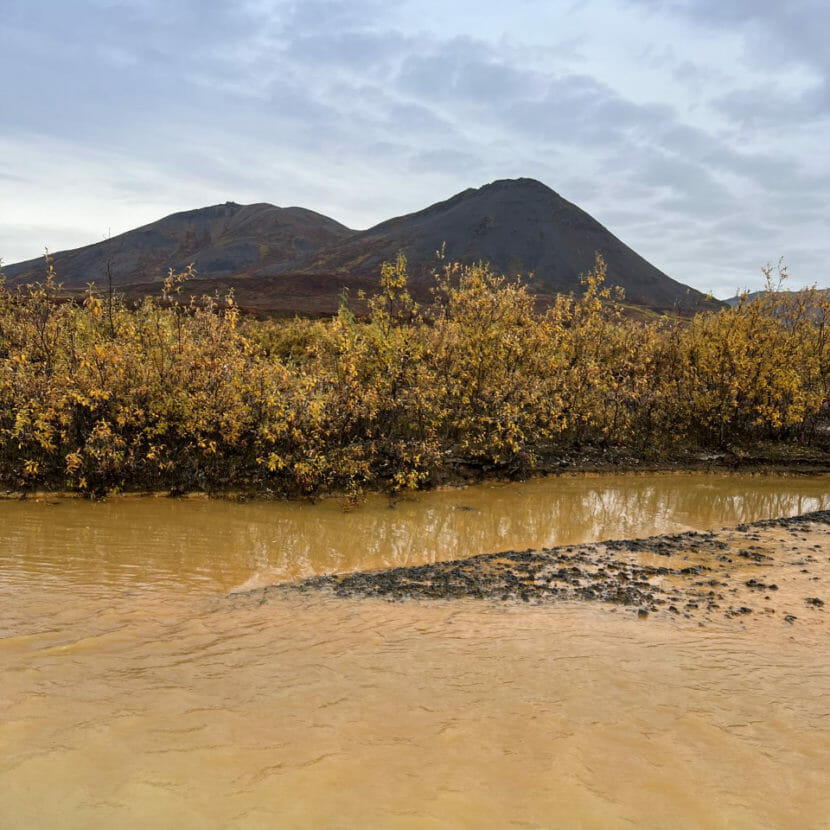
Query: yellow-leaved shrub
[{"x": 99, "y": 395}]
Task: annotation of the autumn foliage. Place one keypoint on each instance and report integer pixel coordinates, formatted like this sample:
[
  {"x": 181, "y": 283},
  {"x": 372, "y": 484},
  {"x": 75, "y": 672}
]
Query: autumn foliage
[{"x": 191, "y": 395}]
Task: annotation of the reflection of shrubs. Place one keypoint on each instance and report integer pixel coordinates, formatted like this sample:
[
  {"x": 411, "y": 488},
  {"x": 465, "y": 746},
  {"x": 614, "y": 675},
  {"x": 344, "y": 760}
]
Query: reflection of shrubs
[{"x": 182, "y": 396}]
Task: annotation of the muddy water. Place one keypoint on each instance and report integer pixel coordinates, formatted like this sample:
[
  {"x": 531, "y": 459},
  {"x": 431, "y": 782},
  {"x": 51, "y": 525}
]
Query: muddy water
[{"x": 133, "y": 692}]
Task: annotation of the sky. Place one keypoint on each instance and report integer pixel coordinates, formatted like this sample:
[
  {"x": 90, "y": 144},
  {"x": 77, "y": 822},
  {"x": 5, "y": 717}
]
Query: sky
[{"x": 697, "y": 131}]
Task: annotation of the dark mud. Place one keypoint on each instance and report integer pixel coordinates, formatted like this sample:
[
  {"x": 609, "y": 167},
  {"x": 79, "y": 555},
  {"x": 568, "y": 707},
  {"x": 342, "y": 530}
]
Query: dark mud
[
  {"x": 774, "y": 459},
  {"x": 774, "y": 567}
]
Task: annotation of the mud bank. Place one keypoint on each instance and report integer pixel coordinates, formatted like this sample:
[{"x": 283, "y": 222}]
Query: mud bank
[
  {"x": 772, "y": 459},
  {"x": 776, "y": 568}
]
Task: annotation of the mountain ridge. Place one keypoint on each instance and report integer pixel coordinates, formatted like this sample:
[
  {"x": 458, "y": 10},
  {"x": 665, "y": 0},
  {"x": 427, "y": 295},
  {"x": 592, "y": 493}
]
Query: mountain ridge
[{"x": 295, "y": 259}]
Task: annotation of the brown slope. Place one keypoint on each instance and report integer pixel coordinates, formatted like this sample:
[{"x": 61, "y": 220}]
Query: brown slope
[
  {"x": 292, "y": 259},
  {"x": 519, "y": 226},
  {"x": 226, "y": 240},
  {"x": 784, "y": 292}
]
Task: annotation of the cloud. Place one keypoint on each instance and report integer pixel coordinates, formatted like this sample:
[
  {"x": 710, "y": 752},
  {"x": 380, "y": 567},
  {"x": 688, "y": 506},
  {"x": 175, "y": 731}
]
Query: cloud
[
  {"x": 445, "y": 161},
  {"x": 775, "y": 35},
  {"x": 765, "y": 106},
  {"x": 462, "y": 70},
  {"x": 678, "y": 121}
]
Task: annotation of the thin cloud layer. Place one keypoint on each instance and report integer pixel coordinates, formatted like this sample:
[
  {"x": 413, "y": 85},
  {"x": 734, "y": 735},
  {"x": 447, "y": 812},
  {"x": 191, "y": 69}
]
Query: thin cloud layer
[{"x": 694, "y": 131}]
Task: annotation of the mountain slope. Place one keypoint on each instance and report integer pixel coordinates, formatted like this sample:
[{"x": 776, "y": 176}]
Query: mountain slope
[
  {"x": 784, "y": 292},
  {"x": 222, "y": 240},
  {"x": 296, "y": 260},
  {"x": 519, "y": 226}
]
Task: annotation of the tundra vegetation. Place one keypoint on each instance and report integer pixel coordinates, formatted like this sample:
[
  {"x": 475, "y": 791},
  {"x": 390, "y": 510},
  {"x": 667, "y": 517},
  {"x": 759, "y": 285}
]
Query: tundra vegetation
[{"x": 168, "y": 394}]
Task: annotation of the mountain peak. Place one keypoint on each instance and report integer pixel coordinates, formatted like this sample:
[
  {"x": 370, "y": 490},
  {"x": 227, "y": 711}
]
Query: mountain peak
[
  {"x": 298, "y": 260},
  {"x": 522, "y": 185},
  {"x": 518, "y": 226}
]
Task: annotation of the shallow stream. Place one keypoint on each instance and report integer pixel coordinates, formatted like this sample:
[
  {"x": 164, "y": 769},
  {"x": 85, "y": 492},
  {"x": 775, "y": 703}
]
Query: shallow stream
[{"x": 134, "y": 692}]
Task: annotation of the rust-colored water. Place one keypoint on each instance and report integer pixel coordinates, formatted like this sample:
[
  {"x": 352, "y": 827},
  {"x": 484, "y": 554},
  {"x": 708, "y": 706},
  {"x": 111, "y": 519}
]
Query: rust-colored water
[{"x": 134, "y": 693}]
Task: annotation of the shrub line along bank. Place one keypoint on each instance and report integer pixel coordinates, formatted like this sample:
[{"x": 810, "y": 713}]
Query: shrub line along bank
[{"x": 191, "y": 396}]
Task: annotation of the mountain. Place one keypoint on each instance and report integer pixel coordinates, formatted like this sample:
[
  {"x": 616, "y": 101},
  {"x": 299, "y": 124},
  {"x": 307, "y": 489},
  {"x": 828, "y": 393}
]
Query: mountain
[
  {"x": 755, "y": 295},
  {"x": 519, "y": 226},
  {"x": 296, "y": 260},
  {"x": 222, "y": 240}
]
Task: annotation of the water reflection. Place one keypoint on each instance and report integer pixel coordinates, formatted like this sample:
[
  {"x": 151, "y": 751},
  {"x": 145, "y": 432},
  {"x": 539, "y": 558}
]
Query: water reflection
[{"x": 216, "y": 545}]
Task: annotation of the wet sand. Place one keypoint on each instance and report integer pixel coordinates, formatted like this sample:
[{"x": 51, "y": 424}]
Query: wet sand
[{"x": 763, "y": 569}]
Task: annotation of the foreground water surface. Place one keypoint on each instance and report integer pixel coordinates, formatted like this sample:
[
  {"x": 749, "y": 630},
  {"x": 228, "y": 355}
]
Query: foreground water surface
[{"x": 135, "y": 693}]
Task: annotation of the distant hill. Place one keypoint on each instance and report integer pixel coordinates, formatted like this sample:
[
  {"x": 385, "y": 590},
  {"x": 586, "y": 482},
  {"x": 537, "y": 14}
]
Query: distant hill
[
  {"x": 296, "y": 260},
  {"x": 754, "y": 295},
  {"x": 519, "y": 226},
  {"x": 222, "y": 240}
]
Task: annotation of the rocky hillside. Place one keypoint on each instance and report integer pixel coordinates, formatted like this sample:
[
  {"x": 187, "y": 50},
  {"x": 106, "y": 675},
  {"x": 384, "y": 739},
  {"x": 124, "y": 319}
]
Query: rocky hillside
[
  {"x": 519, "y": 226},
  {"x": 222, "y": 240},
  {"x": 296, "y": 260}
]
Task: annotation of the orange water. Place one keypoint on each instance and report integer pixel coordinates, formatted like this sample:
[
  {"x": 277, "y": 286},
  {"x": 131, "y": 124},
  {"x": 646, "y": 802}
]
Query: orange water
[{"x": 135, "y": 693}]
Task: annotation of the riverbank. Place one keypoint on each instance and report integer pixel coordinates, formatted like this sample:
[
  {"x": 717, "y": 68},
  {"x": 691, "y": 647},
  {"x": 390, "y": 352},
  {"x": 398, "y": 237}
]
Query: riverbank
[
  {"x": 771, "y": 459},
  {"x": 765, "y": 569}
]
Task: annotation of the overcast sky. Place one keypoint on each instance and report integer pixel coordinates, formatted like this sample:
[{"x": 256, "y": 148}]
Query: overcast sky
[{"x": 697, "y": 131}]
